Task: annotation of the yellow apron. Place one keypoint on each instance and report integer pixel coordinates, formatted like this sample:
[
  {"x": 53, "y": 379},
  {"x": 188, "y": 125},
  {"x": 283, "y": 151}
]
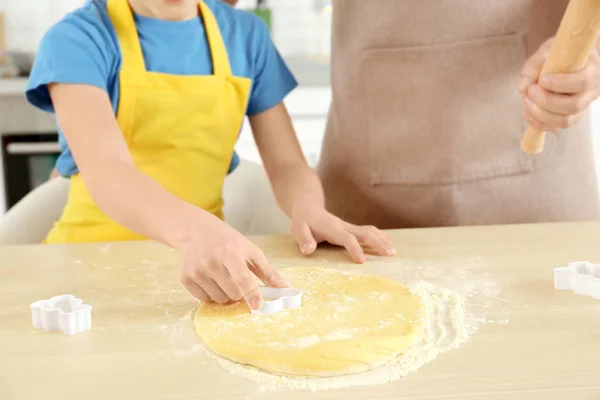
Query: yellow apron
[{"x": 180, "y": 130}]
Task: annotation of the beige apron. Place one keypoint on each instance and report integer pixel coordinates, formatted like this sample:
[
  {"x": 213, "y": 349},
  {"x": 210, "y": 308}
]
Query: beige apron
[{"x": 425, "y": 122}]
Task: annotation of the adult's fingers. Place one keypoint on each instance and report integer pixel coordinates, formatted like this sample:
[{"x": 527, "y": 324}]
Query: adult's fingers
[
  {"x": 569, "y": 83},
  {"x": 563, "y": 104},
  {"x": 533, "y": 66},
  {"x": 548, "y": 118},
  {"x": 578, "y": 82},
  {"x": 304, "y": 237},
  {"x": 537, "y": 125}
]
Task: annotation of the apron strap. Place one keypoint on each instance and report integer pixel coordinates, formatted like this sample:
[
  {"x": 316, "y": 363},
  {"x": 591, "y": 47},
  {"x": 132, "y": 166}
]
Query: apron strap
[
  {"x": 133, "y": 65},
  {"x": 218, "y": 51},
  {"x": 121, "y": 16}
]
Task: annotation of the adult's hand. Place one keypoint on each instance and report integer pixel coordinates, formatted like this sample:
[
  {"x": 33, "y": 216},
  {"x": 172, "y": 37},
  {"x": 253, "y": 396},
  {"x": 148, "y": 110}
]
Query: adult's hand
[{"x": 557, "y": 101}]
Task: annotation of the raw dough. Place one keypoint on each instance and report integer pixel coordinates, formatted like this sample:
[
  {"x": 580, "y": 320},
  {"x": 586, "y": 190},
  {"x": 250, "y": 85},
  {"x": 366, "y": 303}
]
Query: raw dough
[{"x": 348, "y": 323}]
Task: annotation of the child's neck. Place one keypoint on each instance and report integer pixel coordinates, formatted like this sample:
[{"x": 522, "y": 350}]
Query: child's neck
[{"x": 172, "y": 10}]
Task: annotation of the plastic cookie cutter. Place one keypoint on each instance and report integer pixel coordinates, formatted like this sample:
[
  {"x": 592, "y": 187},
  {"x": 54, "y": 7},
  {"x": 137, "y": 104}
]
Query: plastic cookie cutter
[
  {"x": 62, "y": 313},
  {"x": 276, "y": 299},
  {"x": 581, "y": 277}
]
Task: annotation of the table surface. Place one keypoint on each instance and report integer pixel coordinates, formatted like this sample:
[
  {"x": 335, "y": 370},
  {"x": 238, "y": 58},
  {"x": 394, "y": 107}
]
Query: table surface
[{"x": 538, "y": 343}]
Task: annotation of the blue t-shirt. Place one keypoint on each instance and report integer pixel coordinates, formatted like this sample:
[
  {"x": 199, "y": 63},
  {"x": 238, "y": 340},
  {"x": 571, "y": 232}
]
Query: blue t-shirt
[{"x": 83, "y": 48}]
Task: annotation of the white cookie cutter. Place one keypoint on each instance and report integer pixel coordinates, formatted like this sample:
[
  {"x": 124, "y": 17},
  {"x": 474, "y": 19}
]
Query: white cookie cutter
[
  {"x": 275, "y": 300},
  {"x": 62, "y": 313},
  {"x": 581, "y": 277}
]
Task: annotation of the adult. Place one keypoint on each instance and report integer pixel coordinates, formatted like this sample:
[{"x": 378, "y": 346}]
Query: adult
[{"x": 430, "y": 101}]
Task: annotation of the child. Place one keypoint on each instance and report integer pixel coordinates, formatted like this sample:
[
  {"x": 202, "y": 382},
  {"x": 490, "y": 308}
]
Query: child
[{"x": 150, "y": 96}]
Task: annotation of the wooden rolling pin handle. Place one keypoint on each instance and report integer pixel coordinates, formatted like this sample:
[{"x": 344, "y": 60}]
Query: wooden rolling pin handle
[
  {"x": 575, "y": 40},
  {"x": 533, "y": 141}
]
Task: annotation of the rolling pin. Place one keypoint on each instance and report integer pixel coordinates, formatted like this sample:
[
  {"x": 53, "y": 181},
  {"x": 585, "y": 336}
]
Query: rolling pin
[{"x": 573, "y": 45}]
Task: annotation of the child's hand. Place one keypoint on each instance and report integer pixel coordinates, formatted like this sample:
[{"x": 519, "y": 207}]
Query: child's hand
[
  {"x": 300, "y": 194},
  {"x": 311, "y": 226},
  {"x": 219, "y": 264}
]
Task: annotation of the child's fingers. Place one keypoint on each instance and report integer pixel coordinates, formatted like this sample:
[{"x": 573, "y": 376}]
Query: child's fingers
[
  {"x": 374, "y": 239},
  {"x": 227, "y": 285},
  {"x": 386, "y": 239},
  {"x": 263, "y": 269},
  {"x": 304, "y": 237},
  {"x": 356, "y": 252},
  {"x": 214, "y": 278},
  {"x": 254, "y": 299},
  {"x": 347, "y": 240},
  {"x": 212, "y": 288},
  {"x": 196, "y": 290},
  {"x": 240, "y": 280}
]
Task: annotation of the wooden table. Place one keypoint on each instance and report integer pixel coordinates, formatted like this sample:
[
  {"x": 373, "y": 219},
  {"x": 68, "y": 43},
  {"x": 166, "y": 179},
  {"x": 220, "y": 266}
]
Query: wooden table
[{"x": 541, "y": 344}]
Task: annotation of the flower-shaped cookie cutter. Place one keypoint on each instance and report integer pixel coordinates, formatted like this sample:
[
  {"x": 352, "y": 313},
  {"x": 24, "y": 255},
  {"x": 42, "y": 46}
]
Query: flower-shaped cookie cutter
[
  {"x": 276, "y": 299},
  {"x": 581, "y": 277},
  {"x": 64, "y": 313}
]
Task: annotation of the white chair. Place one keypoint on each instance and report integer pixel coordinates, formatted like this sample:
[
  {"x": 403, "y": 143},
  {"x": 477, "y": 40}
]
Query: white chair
[
  {"x": 250, "y": 207},
  {"x": 30, "y": 220}
]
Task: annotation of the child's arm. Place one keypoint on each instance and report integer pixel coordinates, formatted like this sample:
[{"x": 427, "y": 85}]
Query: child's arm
[
  {"x": 122, "y": 192},
  {"x": 216, "y": 259},
  {"x": 299, "y": 192},
  {"x": 53, "y": 174}
]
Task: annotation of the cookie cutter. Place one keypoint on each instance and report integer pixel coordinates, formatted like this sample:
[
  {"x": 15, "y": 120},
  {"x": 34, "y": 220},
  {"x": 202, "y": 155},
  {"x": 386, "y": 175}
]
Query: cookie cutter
[
  {"x": 581, "y": 277},
  {"x": 276, "y": 299},
  {"x": 65, "y": 313}
]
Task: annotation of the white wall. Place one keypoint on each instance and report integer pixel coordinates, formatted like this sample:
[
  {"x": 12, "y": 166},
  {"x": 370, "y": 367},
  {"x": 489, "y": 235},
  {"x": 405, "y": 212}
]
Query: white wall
[
  {"x": 296, "y": 28},
  {"x": 28, "y": 20}
]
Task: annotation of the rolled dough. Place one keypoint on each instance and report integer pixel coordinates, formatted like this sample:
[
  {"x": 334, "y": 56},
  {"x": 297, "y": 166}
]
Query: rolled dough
[{"x": 348, "y": 323}]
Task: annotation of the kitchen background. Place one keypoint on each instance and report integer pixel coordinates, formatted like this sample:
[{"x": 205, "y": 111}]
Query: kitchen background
[{"x": 300, "y": 28}]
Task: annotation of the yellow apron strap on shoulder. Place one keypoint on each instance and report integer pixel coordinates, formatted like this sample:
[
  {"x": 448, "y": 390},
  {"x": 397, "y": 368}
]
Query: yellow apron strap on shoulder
[
  {"x": 218, "y": 50},
  {"x": 121, "y": 16}
]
